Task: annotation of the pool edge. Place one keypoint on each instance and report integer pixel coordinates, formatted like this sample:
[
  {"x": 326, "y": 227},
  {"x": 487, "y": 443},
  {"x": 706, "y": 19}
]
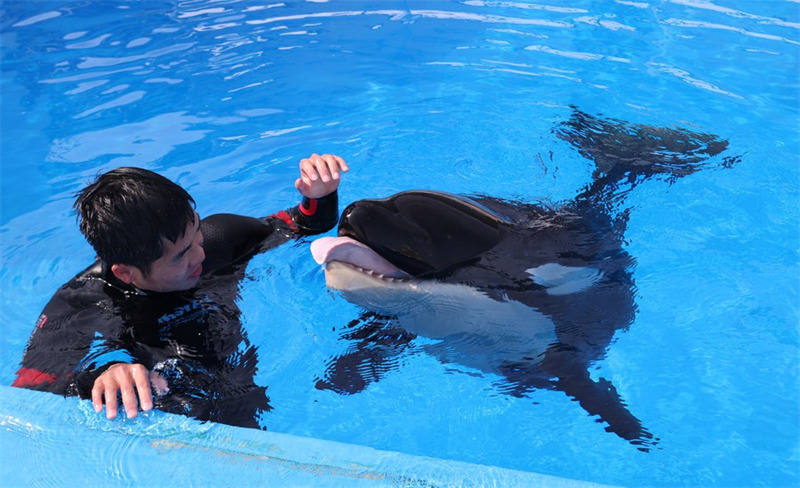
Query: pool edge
[{"x": 230, "y": 455}]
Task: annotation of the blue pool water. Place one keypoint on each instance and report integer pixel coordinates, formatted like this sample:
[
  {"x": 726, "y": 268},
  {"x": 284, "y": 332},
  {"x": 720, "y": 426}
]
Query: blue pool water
[{"x": 225, "y": 97}]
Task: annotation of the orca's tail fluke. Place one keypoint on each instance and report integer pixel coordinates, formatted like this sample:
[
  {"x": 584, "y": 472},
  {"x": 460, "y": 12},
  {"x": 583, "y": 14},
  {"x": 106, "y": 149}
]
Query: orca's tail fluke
[{"x": 626, "y": 154}]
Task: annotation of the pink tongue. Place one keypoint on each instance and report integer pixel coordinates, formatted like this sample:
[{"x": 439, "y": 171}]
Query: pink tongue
[{"x": 347, "y": 250}]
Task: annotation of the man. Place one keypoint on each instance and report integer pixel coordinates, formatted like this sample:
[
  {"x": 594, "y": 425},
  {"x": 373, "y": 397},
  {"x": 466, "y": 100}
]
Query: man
[{"x": 154, "y": 320}]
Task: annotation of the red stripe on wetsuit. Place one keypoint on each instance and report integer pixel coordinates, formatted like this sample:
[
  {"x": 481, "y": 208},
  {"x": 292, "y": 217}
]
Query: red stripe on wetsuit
[
  {"x": 32, "y": 377},
  {"x": 312, "y": 207},
  {"x": 307, "y": 207},
  {"x": 284, "y": 215}
]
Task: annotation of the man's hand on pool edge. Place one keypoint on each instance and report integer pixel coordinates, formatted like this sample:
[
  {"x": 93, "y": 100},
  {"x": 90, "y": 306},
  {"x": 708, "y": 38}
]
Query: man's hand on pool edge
[
  {"x": 123, "y": 378},
  {"x": 320, "y": 175}
]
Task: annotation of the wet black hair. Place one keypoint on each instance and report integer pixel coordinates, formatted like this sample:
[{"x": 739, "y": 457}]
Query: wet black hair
[{"x": 127, "y": 212}]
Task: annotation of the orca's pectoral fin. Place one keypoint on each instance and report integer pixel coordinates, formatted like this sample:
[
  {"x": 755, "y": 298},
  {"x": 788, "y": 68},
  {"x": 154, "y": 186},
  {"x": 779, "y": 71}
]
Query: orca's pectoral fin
[
  {"x": 598, "y": 398},
  {"x": 625, "y": 154},
  {"x": 377, "y": 343}
]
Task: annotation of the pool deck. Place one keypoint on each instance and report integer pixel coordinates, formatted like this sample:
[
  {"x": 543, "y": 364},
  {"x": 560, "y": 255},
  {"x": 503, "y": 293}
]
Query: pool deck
[{"x": 45, "y": 447}]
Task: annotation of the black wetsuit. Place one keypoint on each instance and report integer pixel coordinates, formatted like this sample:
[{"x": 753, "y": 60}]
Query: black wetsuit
[{"x": 192, "y": 338}]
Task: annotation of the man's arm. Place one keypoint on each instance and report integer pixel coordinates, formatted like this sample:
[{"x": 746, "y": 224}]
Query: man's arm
[
  {"x": 230, "y": 238},
  {"x": 65, "y": 335},
  {"x": 77, "y": 348}
]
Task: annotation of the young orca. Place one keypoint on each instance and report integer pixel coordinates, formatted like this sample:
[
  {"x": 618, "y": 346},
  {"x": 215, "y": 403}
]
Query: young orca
[{"x": 533, "y": 293}]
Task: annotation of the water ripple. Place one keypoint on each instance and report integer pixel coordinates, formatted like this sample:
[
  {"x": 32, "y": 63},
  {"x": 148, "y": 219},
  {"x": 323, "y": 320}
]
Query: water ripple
[
  {"x": 410, "y": 14},
  {"x": 38, "y": 18},
  {"x": 709, "y": 25},
  {"x": 686, "y": 76},
  {"x": 94, "y": 62},
  {"x": 706, "y": 5},
  {"x": 118, "y": 102}
]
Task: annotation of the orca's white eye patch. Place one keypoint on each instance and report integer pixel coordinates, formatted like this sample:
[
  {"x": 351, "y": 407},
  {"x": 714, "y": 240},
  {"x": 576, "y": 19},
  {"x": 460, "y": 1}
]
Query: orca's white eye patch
[{"x": 563, "y": 280}]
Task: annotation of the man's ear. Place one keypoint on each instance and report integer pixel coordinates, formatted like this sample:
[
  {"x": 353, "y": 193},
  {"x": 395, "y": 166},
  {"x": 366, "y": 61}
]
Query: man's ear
[{"x": 124, "y": 272}]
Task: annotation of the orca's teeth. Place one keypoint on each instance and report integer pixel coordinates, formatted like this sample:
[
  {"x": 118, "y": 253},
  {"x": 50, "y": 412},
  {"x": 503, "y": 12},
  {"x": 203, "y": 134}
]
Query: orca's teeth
[{"x": 374, "y": 274}]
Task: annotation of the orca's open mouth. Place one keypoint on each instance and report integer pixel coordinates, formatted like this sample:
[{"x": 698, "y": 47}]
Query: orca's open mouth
[{"x": 349, "y": 252}]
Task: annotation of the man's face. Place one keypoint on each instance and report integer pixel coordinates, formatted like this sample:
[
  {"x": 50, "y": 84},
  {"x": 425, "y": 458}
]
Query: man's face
[{"x": 181, "y": 265}]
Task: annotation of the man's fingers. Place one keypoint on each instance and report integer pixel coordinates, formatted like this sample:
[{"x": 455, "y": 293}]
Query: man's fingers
[
  {"x": 111, "y": 402},
  {"x": 326, "y": 168},
  {"x": 320, "y": 166},
  {"x": 141, "y": 378},
  {"x": 131, "y": 381},
  {"x": 97, "y": 397},
  {"x": 305, "y": 181},
  {"x": 307, "y": 170},
  {"x": 320, "y": 175},
  {"x": 129, "y": 400},
  {"x": 308, "y": 167},
  {"x": 124, "y": 378},
  {"x": 341, "y": 163},
  {"x": 335, "y": 164},
  {"x": 332, "y": 165}
]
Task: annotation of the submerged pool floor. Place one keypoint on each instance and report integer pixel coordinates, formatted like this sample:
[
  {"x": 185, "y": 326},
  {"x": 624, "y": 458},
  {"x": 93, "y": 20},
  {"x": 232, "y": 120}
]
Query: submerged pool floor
[{"x": 170, "y": 450}]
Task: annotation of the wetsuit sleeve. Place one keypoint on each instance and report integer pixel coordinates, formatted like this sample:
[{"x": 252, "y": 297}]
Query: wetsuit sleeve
[
  {"x": 41, "y": 367},
  {"x": 76, "y": 338},
  {"x": 229, "y": 238},
  {"x": 313, "y": 215}
]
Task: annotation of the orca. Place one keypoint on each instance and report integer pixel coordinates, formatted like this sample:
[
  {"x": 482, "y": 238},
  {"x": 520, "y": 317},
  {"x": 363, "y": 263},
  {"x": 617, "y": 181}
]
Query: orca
[{"x": 534, "y": 293}]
